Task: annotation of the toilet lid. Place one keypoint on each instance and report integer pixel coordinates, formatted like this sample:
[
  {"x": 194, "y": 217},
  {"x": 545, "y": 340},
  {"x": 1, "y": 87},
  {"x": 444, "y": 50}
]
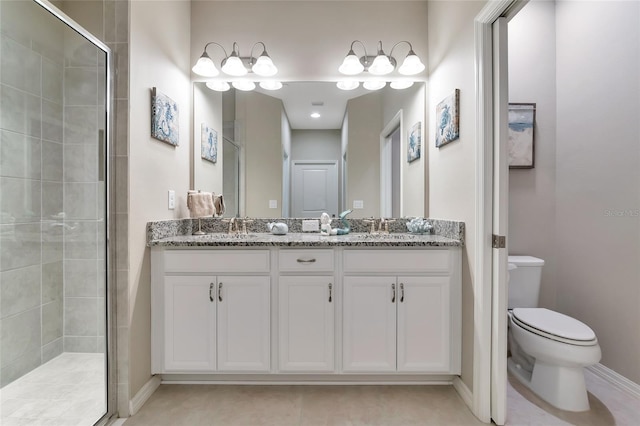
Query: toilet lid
[{"x": 554, "y": 324}]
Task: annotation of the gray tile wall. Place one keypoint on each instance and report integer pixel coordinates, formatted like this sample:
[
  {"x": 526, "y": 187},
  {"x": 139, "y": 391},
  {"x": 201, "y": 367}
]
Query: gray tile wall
[{"x": 52, "y": 232}]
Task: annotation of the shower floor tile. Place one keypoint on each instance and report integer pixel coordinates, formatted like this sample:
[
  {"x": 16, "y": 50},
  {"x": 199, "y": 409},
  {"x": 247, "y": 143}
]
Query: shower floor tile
[{"x": 69, "y": 390}]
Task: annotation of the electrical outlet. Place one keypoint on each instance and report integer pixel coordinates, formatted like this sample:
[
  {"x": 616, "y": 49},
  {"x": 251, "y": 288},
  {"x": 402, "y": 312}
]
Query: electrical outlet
[
  {"x": 358, "y": 204},
  {"x": 310, "y": 225},
  {"x": 172, "y": 199},
  {"x": 273, "y": 204}
]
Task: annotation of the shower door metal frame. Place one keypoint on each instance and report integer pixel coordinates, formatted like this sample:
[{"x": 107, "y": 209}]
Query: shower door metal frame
[{"x": 111, "y": 366}]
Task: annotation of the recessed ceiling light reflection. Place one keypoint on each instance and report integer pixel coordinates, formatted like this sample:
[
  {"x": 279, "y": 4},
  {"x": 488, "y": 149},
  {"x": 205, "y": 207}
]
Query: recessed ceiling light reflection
[
  {"x": 315, "y": 115},
  {"x": 348, "y": 84}
]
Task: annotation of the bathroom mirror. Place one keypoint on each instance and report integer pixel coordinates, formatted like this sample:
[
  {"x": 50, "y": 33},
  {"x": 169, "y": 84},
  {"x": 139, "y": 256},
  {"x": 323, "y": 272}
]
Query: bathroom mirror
[{"x": 274, "y": 159}]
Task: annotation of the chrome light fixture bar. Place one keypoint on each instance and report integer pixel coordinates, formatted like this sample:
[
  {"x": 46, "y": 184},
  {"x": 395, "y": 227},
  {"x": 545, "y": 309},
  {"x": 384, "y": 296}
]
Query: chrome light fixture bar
[
  {"x": 234, "y": 64},
  {"x": 381, "y": 64}
]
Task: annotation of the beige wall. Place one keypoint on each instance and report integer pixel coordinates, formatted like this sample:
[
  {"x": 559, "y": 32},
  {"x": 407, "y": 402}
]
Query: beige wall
[
  {"x": 532, "y": 192},
  {"x": 363, "y": 154},
  {"x": 159, "y": 55},
  {"x": 412, "y": 103},
  {"x": 260, "y": 118},
  {"x": 598, "y": 175},
  {"x": 207, "y": 176},
  {"x": 452, "y": 167}
]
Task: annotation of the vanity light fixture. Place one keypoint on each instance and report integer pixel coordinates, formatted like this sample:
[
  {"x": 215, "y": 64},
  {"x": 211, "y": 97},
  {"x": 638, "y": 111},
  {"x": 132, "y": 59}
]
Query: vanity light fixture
[
  {"x": 244, "y": 85},
  {"x": 234, "y": 64},
  {"x": 401, "y": 84},
  {"x": 381, "y": 64},
  {"x": 374, "y": 84},
  {"x": 218, "y": 86},
  {"x": 348, "y": 84},
  {"x": 270, "y": 85}
]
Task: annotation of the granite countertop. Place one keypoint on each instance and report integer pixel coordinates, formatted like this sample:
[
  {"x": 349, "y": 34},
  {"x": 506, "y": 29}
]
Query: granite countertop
[{"x": 294, "y": 239}]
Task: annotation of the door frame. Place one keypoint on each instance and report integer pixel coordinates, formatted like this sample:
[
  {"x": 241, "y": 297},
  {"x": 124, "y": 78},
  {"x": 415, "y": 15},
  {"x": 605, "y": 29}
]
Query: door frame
[
  {"x": 386, "y": 166},
  {"x": 483, "y": 358}
]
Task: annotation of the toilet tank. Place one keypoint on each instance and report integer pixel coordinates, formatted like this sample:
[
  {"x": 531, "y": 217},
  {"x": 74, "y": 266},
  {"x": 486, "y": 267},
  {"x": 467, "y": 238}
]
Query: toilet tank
[{"x": 524, "y": 281}]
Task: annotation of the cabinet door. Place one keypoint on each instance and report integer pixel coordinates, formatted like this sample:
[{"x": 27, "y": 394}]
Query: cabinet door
[
  {"x": 423, "y": 324},
  {"x": 243, "y": 323},
  {"x": 306, "y": 323},
  {"x": 369, "y": 324},
  {"x": 190, "y": 328}
]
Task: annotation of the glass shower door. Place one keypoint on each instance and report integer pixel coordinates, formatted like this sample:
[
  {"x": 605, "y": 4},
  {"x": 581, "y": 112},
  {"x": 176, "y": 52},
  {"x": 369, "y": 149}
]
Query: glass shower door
[{"x": 54, "y": 108}]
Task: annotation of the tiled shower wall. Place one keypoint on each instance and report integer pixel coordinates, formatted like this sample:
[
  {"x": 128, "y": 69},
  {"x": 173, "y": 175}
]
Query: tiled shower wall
[{"x": 52, "y": 192}]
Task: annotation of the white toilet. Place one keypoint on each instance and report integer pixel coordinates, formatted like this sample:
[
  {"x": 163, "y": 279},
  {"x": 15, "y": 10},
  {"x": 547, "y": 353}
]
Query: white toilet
[{"x": 548, "y": 349}]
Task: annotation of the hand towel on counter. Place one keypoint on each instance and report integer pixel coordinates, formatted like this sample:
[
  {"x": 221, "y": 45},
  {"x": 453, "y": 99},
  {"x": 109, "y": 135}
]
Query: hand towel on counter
[
  {"x": 200, "y": 204},
  {"x": 218, "y": 203}
]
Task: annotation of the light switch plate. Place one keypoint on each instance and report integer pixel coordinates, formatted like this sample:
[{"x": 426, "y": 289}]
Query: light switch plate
[
  {"x": 310, "y": 225},
  {"x": 358, "y": 204},
  {"x": 171, "y": 199}
]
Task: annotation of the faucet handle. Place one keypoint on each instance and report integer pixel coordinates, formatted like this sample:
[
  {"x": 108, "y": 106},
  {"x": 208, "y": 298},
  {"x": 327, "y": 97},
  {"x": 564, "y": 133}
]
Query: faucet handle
[
  {"x": 372, "y": 221},
  {"x": 386, "y": 224}
]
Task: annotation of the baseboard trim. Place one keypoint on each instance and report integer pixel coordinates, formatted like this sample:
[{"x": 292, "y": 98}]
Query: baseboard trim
[
  {"x": 617, "y": 380},
  {"x": 464, "y": 392},
  {"x": 143, "y": 395}
]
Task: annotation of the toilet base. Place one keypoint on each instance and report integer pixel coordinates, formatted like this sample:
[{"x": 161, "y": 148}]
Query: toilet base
[{"x": 561, "y": 386}]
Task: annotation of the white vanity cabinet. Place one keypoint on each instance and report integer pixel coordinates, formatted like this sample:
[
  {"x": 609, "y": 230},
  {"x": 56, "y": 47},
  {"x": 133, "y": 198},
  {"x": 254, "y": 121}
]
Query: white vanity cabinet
[
  {"x": 211, "y": 316},
  {"x": 409, "y": 322},
  {"x": 306, "y": 294}
]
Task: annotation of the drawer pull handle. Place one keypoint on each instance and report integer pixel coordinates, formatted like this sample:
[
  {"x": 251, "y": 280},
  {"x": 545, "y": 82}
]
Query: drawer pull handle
[
  {"x": 211, "y": 292},
  {"x": 306, "y": 261},
  {"x": 401, "y": 292},
  {"x": 393, "y": 293},
  {"x": 330, "y": 292},
  {"x": 220, "y": 292}
]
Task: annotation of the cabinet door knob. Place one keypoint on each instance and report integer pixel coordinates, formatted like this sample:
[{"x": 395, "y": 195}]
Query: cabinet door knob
[
  {"x": 393, "y": 293},
  {"x": 211, "y": 292},
  {"x": 220, "y": 292},
  {"x": 401, "y": 292},
  {"x": 330, "y": 292}
]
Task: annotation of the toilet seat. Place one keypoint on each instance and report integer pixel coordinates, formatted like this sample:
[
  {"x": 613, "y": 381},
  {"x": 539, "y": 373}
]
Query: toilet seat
[{"x": 555, "y": 326}]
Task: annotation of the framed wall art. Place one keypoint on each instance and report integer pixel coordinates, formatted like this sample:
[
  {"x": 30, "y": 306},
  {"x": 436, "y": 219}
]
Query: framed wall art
[
  {"x": 414, "y": 142},
  {"x": 448, "y": 119},
  {"x": 521, "y": 141},
  {"x": 164, "y": 118},
  {"x": 208, "y": 143}
]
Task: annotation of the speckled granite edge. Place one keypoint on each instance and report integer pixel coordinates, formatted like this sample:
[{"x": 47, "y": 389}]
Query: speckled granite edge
[{"x": 185, "y": 227}]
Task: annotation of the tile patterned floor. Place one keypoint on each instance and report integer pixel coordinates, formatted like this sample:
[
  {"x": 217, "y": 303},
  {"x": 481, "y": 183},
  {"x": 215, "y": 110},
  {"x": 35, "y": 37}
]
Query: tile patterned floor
[
  {"x": 69, "y": 390},
  {"x": 211, "y": 405}
]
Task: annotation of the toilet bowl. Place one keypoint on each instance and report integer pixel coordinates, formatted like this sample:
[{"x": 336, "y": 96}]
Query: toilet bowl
[{"x": 549, "y": 350}]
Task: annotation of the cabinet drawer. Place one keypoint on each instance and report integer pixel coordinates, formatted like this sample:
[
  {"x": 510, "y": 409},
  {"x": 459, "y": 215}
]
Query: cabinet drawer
[
  {"x": 216, "y": 261},
  {"x": 397, "y": 261},
  {"x": 305, "y": 260}
]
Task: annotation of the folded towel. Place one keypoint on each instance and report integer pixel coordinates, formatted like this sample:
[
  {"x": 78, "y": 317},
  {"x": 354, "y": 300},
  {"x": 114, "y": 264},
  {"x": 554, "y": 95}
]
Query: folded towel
[
  {"x": 218, "y": 203},
  {"x": 200, "y": 204}
]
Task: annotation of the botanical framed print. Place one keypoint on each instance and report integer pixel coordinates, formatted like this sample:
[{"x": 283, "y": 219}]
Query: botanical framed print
[
  {"x": 448, "y": 119},
  {"x": 521, "y": 141},
  {"x": 414, "y": 142},
  {"x": 164, "y": 118},
  {"x": 208, "y": 143}
]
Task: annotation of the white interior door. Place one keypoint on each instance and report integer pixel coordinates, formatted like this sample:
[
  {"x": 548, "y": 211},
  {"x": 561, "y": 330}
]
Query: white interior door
[
  {"x": 314, "y": 187},
  {"x": 500, "y": 224}
]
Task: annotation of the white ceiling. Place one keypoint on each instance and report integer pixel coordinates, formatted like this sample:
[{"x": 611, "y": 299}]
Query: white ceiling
[{"x": 298, "y": 96}]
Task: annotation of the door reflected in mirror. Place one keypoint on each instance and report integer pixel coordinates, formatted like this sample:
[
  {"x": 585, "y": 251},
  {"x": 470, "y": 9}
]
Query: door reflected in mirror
[{"x": 310, "y": 148}]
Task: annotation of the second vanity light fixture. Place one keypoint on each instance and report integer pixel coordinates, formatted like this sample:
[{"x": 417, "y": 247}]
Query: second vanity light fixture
[{"x": 234, "y": 66}]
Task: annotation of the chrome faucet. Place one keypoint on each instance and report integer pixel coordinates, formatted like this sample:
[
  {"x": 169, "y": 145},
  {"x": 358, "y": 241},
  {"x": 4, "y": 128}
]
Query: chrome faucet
[{"x": 232, "y": 224}]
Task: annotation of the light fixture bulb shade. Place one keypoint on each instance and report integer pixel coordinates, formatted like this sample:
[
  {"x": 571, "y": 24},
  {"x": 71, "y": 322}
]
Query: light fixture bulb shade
[
  {"x": 381, "y": 65},
  {"x": 347, "y": 84},
  {"x": 351, "y": 65},
  {"x": 234, "y": 66},
  {"x": 205, "y": 66},
  {"x": 271, "y": 85},
  {"x": 374, "y": 84},
  {"x": 218, "y": 86},
  {"x": 401, "y": 84},
  {"x": 244, "y": 85},
  {"x": 264, "y": 66},
  {"x": 411, "y": 65}
]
